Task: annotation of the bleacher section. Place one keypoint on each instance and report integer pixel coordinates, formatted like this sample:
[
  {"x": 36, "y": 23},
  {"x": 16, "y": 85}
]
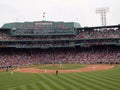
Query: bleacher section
[{"x": 58, "y": 42}]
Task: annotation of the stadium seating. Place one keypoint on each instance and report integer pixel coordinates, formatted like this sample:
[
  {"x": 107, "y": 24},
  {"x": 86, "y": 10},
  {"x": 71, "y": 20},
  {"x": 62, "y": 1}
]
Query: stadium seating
[
  {"x": 103, "y": 54},
  {"x": 20, "y": 57},
  {"x": 110, "y": 33}
]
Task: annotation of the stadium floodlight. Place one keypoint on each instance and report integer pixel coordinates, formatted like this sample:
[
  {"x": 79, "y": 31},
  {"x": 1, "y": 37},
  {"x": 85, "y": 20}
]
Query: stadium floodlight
[
  {"x": 103, "y": 12},
  {"x": 43, "y": 15}
]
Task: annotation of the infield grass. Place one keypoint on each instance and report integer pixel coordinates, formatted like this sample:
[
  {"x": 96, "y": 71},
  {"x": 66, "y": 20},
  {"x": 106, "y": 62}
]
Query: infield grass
[{"x": 97, "y": 80}]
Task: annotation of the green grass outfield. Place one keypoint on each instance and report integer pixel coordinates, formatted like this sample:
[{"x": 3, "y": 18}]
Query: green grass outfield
[{"x": 97, "y": 80}]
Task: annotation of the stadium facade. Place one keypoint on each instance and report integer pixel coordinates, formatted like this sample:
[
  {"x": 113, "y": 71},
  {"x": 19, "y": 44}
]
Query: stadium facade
[{"x": 58, "y": 42}]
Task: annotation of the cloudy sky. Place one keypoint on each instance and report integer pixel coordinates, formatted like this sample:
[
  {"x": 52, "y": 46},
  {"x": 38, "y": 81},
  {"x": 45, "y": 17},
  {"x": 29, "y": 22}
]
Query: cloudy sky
[{"x": 82, "y": 11}]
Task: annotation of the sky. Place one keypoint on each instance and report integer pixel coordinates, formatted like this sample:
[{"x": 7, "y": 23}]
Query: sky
[{"x": 81, "y": 11}]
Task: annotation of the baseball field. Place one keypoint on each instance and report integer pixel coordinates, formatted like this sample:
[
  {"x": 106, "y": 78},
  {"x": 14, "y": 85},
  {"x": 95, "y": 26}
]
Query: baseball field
[{"x": 70, "y": 77}]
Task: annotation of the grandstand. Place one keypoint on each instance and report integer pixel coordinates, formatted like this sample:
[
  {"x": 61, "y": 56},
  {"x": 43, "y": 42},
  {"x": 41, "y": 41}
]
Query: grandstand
[{"x": 58, "y": 42}]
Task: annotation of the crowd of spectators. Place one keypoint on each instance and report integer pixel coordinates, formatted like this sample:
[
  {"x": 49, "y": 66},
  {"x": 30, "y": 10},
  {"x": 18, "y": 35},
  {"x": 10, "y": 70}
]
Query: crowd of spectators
[
  {"x": 110, "y": 33},
  {"x": 6, "y": 36},
  {"x": 19, "y": 57}
]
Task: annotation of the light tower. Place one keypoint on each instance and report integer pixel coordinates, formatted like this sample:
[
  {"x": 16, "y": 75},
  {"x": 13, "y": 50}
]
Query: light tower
[
  {"x": 103, "y": 12},
  {"x": 43, "y": 15}
]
